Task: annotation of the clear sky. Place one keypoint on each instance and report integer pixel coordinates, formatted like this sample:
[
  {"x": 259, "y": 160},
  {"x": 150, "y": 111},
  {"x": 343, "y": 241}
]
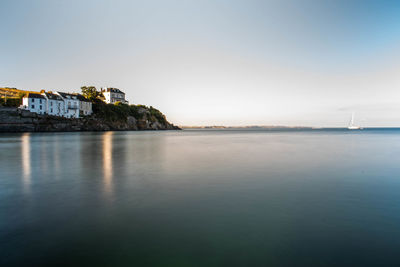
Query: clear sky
[{"x": 220, "y": 62}]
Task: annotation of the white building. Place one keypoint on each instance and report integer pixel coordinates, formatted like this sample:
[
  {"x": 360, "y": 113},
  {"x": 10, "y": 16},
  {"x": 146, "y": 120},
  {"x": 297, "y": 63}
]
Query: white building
[
  {"x": 71, "y": 104},
  {"x": 85, "y": 105},
  {"x": 55, "y": 104},
  {"x": 34, "y": 103},
  {"x": 113, "y": 95}
]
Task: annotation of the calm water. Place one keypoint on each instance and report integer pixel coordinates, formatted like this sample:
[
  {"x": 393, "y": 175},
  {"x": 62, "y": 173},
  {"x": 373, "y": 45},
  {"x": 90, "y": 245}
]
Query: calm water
[{"x": 200, "y": 198}]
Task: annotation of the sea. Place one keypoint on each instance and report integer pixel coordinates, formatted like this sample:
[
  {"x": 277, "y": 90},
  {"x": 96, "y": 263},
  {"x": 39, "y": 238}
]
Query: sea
[{"x": 226, "y": 197}]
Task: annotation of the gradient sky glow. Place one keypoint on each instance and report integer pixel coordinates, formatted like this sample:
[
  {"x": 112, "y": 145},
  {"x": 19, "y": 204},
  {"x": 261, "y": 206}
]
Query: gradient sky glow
[{"x": 308, "y": 62}]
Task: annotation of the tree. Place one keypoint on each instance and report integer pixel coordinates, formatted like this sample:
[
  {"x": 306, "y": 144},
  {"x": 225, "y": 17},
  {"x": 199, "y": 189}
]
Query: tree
[{"x": 90, "y": 92}]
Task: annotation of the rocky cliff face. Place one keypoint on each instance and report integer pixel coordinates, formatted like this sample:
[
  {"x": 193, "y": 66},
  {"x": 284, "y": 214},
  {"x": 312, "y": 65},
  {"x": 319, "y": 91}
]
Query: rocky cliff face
[{"x": 16, "y": 120}]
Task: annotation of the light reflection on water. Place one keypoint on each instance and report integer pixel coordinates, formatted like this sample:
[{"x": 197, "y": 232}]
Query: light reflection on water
[
  {"x": 26, "y": 160},
  {"x": 207, "y": 198},
  {"x": 108, "y": 162}
]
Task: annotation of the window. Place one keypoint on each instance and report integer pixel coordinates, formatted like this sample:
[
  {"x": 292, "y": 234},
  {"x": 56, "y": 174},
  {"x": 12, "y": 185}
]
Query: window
[
  {"x": 33, "y": 106},
  {"x": 33, "y": 100},
  {"x": 40, "y": 107},
  {"x": 51, "y": 103},
  {"x": 51, "y": 110},
  {"x": 40, "y": 101}
]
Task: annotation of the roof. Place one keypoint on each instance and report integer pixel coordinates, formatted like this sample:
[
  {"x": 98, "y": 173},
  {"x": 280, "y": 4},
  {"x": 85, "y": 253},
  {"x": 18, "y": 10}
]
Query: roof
[
  {"x": 53, "y": 96},
  {"x": 114, "y": 90},
  {"x": 82, "y": 98},
  {"x": 32, "y": 95},
  {"x": 68, "y": 95}
]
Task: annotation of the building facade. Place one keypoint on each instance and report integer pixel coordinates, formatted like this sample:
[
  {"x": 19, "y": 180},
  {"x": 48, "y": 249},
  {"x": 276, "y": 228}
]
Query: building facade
[
  {"x": 55, "y": 104},
  {"x": 113, "y": 95},
  {"x": 85, "y": 106},
  {"x": 71, "y": 104},
  {"x": 34, "y": 103}
]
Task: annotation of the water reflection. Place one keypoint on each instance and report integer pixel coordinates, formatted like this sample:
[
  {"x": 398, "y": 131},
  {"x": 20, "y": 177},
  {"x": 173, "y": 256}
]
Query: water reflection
[
  {"x": 108, "y": 162},
  {"x": 275, "y": 198},
  {"x": 26, "y": 161},
  {"x": 44, "y": 154},
  {"x": 56, "y": 158}
]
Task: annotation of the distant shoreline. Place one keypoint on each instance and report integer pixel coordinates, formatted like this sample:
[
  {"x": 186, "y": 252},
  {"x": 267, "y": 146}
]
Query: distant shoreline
[
  {"x": 245, "y": 127},
  {"x": 278, "y": 128}
]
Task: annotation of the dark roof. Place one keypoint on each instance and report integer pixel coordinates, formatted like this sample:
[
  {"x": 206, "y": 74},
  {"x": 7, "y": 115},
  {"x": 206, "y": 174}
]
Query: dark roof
[
  {"x": 67, "y": 95},
  {"x": 114, "y": 90},
  {"x": 32, "y": 95},
  {"x": 82, "y": 98},
  {"x": 53, "y": 96}
]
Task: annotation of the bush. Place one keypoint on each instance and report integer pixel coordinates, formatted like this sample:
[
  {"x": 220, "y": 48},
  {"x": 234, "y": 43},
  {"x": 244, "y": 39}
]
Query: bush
[
  {"x": 11, "y": 102},
  {"x": 90, "y": 92},
  {"x": 157, "y": 114},
  {"x": 134, "y": 111},
  {"x": 108, "y": 112},
  {"x": 120, "y": 112}
]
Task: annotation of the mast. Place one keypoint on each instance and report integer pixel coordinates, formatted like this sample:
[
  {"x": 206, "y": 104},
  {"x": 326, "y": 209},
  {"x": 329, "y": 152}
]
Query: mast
[
  {"x": 352, "y": 126},
  {"x": 352, "y": 119},
  {"x": 351, "y": 123}
]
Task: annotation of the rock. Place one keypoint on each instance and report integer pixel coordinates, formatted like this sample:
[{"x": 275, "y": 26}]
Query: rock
[{"x": 27, "y": 114}]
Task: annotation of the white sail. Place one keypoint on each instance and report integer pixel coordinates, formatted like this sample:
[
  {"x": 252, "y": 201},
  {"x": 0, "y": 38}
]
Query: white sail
[
  {"x": 351, "y": 124},
  {"x": 352, "y": 119}
]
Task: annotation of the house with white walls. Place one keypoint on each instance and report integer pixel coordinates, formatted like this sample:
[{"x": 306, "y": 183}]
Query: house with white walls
[
  {"x": 55, "y": 104},
  {"x": 85, "y": 106},
  {"x": 71, "y": 104},
  {"x": 113, "y": 95},
  {"x": 34, "y": 103}
]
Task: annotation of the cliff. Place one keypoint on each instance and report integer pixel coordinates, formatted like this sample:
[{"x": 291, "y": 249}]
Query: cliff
[{"x": 16, "y": 120}]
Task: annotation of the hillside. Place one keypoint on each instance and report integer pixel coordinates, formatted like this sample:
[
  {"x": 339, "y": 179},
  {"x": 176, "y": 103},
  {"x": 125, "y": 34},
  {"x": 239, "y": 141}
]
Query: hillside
[
  {"x": 16, "y": 120},
  {"x": 105, "y": 116}
]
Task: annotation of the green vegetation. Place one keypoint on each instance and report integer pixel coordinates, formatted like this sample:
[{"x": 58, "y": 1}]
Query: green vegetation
[
  {"x": 155, "y": 113},
  {"x": 90, "y": 92},
  {"x": 10, "y": 97},
  {"x": 14, "y": 99},
  {"x": 11, "y": 101},
  {"x": 109, "y": 112},
  {"x": 120, "y": 112}
]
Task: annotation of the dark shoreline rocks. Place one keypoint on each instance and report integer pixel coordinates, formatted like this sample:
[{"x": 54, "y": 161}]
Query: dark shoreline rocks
[{"x": 17, "y": 120}]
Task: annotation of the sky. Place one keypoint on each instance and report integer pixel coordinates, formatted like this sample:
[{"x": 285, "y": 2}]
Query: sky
[{"x": 220, "y": 62}]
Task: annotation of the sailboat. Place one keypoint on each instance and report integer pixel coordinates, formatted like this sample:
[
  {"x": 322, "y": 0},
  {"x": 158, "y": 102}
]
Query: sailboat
[{"x": 351, "y": 124}]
